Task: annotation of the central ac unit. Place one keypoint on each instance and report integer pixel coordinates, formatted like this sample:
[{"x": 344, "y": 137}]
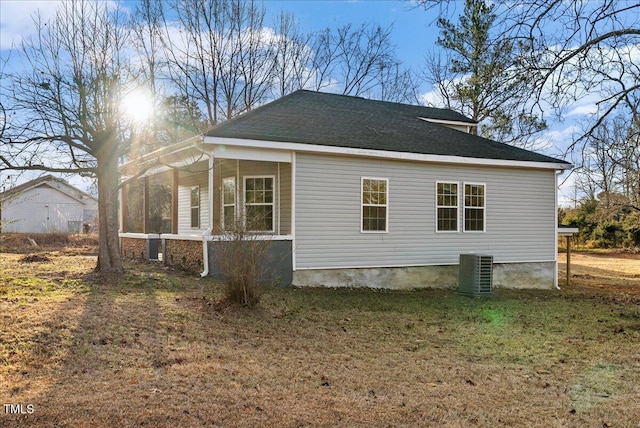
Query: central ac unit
[{"x": 476, "y": 275}]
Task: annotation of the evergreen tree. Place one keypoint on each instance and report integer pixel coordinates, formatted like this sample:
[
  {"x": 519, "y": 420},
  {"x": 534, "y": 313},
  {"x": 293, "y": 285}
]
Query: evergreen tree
[{"x": 480, "y": 78}]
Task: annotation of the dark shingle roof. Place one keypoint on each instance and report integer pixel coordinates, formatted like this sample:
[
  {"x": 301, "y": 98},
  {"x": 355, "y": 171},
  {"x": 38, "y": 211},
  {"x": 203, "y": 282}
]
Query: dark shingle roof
[{"x": 352, "y": 122}]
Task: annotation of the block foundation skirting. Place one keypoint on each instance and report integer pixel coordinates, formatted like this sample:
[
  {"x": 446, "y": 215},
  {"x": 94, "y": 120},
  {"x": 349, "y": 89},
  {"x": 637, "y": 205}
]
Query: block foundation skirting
[
  {"x": 278, "y": 260},
  {"x": 539, "y": 275},
  {"x": 183, "y": 254}
]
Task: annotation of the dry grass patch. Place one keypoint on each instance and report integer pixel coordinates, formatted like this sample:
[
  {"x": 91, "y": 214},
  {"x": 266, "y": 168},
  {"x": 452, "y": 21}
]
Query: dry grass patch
[
  {"x": 613, "y": 272},
  {"x": 155, "y": 348},
  {"x": 23, "y": 243}
]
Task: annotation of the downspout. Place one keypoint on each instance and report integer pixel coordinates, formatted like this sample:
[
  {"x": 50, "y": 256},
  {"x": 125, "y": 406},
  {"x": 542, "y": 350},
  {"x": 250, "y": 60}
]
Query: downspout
[
  {"x": 209, "y": 231},
  {"x": 555, "y": 279}
]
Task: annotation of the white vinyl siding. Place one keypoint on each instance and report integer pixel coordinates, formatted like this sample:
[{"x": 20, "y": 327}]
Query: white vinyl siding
[
  {"x": 185, "y": 183},
  {"x": 520, "y": 216}
]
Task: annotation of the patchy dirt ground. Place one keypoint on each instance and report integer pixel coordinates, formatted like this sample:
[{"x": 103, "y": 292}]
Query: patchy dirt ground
[
  {"x": 155, "y": 348},
  {"x": 615, "y": 272}
]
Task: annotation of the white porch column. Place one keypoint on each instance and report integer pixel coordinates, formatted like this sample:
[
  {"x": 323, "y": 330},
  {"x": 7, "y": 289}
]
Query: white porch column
[{"x": 211, "y": 191}]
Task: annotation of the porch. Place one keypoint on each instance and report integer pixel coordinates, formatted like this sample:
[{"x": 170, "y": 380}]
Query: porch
[{"x": 181, "y": 211}]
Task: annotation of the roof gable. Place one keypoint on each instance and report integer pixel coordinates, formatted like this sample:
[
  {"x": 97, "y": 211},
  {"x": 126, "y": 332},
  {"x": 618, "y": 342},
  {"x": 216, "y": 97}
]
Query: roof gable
[
  {"x": 352, "y": 122},
  {"x": 52, "y": 182}
]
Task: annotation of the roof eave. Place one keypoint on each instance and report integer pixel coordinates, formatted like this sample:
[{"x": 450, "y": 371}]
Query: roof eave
[{"x": 382, "y": 154}]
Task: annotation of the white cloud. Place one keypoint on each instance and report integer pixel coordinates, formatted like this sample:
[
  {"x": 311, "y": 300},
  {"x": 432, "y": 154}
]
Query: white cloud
[
  {"x": 430, "y": 98},
  {"x": 16, "y": 19},
  {"x": 582, "y": 110},
  {"x": 567, "y": 190}
]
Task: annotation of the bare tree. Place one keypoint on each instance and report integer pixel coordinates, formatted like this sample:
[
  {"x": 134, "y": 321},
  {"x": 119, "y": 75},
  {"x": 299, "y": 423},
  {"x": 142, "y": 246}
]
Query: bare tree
[
  {"x": 361, "y": 53},
  {"x": 192, "y": 45},
  {"x": 219, "y": 56},
  {"x": 360, "y": 60},
  {"x": 65, "y": 104},
  {"x": 611, "y": 157},
  {"x": 575, "y": 50},
  {"x": 396, "y": 84},
  {"x": 146, "y": 26},
  {"x": 293, "y": 56},
  {"x": 256, "y": 50},
  {"x": 580, "y": 47}
]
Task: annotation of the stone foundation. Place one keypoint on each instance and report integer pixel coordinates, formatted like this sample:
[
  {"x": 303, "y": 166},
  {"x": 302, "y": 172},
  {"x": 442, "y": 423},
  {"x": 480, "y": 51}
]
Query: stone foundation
[
  {"x": 183, "y": 254},
  {"x": 505, "y": 275},
  {"x": 539, "y": 275}
]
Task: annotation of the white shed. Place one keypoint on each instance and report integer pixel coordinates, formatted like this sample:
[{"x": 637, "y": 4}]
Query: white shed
[{"x": 46, "y": 205}]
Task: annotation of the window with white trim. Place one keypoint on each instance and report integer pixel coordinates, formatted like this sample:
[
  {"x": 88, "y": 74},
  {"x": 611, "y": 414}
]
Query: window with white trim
[
  {"x": 195, "y": 207},
  {"x": 375, "y": 213},
  {"x": 228, "y": 202},
  {"x": 259, "y": 203},
  {"x": 474, "y": 207},
  {"x": 446, "y": 207}
]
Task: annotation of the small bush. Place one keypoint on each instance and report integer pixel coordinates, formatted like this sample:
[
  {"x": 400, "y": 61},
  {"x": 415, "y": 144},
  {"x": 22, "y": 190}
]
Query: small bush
[{"x": 243, "y": 261}]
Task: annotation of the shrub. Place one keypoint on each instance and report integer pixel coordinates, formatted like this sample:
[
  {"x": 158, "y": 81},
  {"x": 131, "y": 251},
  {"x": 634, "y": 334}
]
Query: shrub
[{"x": 243, "y": 260}]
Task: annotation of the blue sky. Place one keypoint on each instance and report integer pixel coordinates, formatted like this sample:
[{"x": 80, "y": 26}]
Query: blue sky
[
  {"x": 413, "y": 28},
  {"x": 414, "y": 33}
]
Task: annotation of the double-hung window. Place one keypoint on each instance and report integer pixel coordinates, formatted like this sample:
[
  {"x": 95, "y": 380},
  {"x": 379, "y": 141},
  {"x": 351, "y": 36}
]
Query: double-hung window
[
  {"x": 259, "y": 206},
  {"x": 446, "y": 207},
  {"x": 195, "y": 207},
  {"x": 375, "y": 213},
  {"x": 474, "y": 207},
  {"x": 228, "y": 203}
]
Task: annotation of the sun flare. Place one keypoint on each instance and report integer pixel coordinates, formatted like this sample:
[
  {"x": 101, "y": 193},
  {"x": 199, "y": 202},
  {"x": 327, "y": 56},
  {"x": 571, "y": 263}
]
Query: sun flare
[{"x": 137, "y": 107}]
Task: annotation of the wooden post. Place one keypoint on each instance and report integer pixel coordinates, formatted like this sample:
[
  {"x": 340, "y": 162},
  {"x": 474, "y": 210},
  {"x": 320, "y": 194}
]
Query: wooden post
[
  {"x": 145, "y": 206},
  {"x": 174, "y": 202},
  {"x": 568, "y": 259},
  {"x": 124, "y": 206}
]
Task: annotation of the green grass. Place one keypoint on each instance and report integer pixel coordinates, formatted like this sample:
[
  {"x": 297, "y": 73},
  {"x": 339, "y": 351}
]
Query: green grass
[{"x": 161, "y": 344}]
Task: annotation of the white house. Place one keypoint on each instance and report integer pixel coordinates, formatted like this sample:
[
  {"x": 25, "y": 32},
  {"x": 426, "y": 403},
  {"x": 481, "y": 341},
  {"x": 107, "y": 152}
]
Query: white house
[
  {"x": 355, "y": 192},
  {"x": 46, "y": 205}
]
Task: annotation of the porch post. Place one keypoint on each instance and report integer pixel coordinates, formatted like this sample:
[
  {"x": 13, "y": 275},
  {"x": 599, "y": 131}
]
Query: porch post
[
  {"x": 174, "y": 201},
  {"x": 124, "y": 207},
  {"x": 211, "y": 192},
  {"x": 568, "y": 259},
  {"x": 145, "y": 206}
]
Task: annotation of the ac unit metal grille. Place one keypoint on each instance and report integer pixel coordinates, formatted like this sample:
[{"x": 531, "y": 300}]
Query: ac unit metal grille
[{"x": 476, "y": 275}]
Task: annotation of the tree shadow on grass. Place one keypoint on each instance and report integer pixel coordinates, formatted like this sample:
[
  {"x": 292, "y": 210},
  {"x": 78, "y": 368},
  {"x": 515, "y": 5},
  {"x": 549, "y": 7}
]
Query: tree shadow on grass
[{"x": 91, "y": 355}]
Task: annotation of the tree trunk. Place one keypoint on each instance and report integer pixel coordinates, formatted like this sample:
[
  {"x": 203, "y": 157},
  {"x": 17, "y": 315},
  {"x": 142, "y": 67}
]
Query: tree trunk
[{"x": 109, "y": 259}]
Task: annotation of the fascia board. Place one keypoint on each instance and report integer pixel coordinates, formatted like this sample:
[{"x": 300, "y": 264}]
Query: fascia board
[{"x": 383, "y": 154}]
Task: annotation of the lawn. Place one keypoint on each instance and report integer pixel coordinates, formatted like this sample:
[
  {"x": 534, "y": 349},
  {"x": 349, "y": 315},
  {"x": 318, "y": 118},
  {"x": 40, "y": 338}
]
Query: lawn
[{"x": 156, "y": 348}]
